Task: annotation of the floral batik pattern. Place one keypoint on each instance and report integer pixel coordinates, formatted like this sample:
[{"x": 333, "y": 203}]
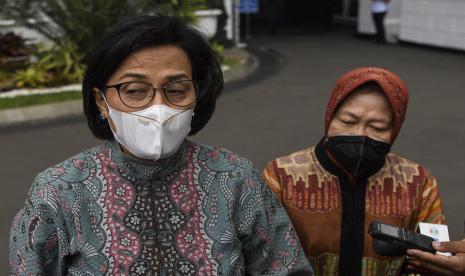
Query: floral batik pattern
[{"x": 203, "y": 211}]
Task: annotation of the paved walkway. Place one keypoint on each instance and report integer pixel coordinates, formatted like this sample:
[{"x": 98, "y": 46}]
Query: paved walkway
[{"x": 280, "y": 109}]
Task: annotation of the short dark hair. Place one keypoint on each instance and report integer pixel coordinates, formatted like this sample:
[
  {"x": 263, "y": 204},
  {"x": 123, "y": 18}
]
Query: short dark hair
[
  {"x": 371, "y": 86},
  {"x": 144, "y": 31}
]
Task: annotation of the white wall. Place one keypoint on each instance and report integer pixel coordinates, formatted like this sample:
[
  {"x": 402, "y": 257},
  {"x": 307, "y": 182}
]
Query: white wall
[
  {"x": 430, "y": 22},
  {"x": 434, "y": 22}
]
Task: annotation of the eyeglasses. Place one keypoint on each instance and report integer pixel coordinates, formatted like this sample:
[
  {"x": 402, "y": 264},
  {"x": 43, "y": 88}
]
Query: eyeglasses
[{"x": 179, "y": 93}]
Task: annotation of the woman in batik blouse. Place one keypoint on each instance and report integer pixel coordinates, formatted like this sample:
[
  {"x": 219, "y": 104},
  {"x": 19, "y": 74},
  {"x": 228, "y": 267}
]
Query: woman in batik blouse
[
  {"x": 332, "y": 191},
  {"x": 147, "y": 201}
]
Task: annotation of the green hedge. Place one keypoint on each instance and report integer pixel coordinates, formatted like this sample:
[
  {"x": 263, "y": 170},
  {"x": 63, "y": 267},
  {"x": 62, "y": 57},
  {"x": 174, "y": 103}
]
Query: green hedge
[{"x": 30, "y": 100}]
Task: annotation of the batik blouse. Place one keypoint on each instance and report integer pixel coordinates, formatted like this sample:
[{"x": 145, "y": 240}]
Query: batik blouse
[
  {"x": 331, "y": 216},
  {"x": 203, "y": 211}
]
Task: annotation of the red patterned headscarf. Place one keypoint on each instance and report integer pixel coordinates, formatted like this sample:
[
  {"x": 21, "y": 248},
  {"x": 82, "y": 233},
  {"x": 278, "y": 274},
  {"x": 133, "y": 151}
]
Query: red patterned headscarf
[{"x": 394, "y": 88}]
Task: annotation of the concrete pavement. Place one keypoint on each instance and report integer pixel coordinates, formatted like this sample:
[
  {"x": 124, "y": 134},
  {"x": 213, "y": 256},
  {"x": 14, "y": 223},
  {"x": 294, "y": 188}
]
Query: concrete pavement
[{"x": 279, "y": 109}]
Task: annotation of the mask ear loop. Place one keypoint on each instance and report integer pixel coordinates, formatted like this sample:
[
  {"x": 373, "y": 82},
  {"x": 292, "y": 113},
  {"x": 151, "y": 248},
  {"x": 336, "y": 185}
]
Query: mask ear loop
[
  {"x": 102, "y": 117},
  {"x": 109, "y": 109},
  {"x": 104, "y": 99}
]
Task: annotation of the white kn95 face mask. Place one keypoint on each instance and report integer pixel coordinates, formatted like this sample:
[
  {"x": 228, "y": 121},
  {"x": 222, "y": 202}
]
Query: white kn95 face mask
[{"x": 153, "y": 133}]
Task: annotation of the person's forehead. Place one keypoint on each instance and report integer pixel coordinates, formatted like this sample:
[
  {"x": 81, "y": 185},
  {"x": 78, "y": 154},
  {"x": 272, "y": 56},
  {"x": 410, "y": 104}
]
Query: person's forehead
[
  {"x": 366, "y": 97},
  {"x": 165, "y": 54},
  {"x": 155, "y": 62},
  {"x": 375, "y": 103}
]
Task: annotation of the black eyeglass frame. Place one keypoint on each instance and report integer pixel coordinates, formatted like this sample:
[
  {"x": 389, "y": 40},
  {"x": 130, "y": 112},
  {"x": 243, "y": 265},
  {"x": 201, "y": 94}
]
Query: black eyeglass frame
[{"x": 163, "y": 88}]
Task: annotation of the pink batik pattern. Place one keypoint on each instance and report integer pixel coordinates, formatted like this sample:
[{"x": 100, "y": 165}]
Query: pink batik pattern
[
  {"x": 191, "y": 241},
  {"x": 124, "y": 245}
]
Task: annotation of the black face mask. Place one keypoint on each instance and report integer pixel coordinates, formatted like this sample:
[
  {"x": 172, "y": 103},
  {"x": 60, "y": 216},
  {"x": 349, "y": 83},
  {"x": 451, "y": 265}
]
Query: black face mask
[{"x": 357, "y": 154}]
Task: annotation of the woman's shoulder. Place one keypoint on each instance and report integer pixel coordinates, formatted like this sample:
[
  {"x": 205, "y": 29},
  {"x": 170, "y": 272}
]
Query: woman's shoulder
[
  {"x": 233, "y": 170},
  {"x": 298, "y": 158},
  {"x": 397, "y": 160},
  {"x": 398, "y": 163},
  {"x": 220, "y": 159},
  {"x": 74, "y": 164},
  {"x": 58, "y": 178}
]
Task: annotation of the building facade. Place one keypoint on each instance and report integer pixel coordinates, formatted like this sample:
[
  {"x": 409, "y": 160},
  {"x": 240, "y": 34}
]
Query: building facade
[{"x": 439, "y": 23}]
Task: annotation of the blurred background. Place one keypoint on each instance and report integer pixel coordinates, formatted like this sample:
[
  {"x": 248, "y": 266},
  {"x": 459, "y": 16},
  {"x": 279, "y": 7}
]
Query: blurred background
[{"x": 280, "y": 59}]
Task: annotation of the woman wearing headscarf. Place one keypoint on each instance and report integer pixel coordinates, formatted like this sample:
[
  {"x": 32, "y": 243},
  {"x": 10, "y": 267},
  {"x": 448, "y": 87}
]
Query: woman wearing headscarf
[
  {"x": 332, "y": 191},
  {"x": 147, "y": 201}
]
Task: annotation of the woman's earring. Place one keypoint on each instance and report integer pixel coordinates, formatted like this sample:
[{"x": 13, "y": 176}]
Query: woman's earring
[{"x": 102, "y": 117}]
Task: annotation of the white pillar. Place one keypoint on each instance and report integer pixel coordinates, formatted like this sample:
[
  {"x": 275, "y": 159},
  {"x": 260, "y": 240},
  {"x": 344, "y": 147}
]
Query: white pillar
[
  {"x": 237, "y": 22},
  {"x": 232, "y": 26},
  {"x": 229, "y": 28}
]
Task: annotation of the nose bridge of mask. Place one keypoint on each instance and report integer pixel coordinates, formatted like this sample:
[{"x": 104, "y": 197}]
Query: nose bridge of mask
[
  {"x": 178, "y": 112},
  {"x": 378, "y": 145},
  {"x": 158, "y": 113},
  {"x": 152, "y": 114},
  {"x": 361, "y": 154}
]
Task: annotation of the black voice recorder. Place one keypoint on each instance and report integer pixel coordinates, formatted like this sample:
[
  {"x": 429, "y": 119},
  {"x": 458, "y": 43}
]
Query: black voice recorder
[{"x": 390, "y": 240}]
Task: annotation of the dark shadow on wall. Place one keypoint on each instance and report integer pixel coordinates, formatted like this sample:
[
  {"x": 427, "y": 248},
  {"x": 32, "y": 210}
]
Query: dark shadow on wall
[{"x": 276, "y": 16}]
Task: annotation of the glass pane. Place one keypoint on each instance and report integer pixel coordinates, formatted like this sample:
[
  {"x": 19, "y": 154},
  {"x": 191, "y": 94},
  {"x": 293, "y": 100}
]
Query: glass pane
[
  {"x": 135, "y": 93},
  {"x": 180, "y": 93}
]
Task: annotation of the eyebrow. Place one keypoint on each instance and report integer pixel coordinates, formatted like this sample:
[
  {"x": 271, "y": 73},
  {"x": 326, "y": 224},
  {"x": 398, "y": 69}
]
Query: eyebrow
[
  {"x": 179, "y": 76},
  {"x": 140, "y": 76},
  {"x": 376, "y": 120},
  {"x": 133, "y": 75}
]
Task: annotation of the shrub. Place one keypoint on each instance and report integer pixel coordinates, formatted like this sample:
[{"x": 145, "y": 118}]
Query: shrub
[
  {"x": 33, "y": 76},
  {"x": 74, "y": 27},
  {"x": 63, "y": 61},
  {"x": 83, "y": 22},
  {"x": 58, "y": 65},
  {"x": 6, "y": 80}
]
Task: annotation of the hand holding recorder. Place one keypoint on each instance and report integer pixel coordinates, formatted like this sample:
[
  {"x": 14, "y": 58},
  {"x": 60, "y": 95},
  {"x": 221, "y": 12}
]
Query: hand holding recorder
[{"x": 390, "y": 240}]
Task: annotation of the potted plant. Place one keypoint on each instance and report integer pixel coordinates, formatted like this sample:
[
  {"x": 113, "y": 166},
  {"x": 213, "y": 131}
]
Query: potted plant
[
  {"x": 203, "y": 14},
  {"x": 206, "y": 13}
]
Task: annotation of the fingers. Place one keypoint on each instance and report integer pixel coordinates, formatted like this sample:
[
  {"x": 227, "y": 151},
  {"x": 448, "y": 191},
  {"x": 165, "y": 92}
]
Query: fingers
[
  {"x": 429, "y": 269},
  {"x": 453, "y": 246},
  {"x": 414, "y": 267},
  {"x": 438, "y": 263},
  {"x": 439, "y": 260}
]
